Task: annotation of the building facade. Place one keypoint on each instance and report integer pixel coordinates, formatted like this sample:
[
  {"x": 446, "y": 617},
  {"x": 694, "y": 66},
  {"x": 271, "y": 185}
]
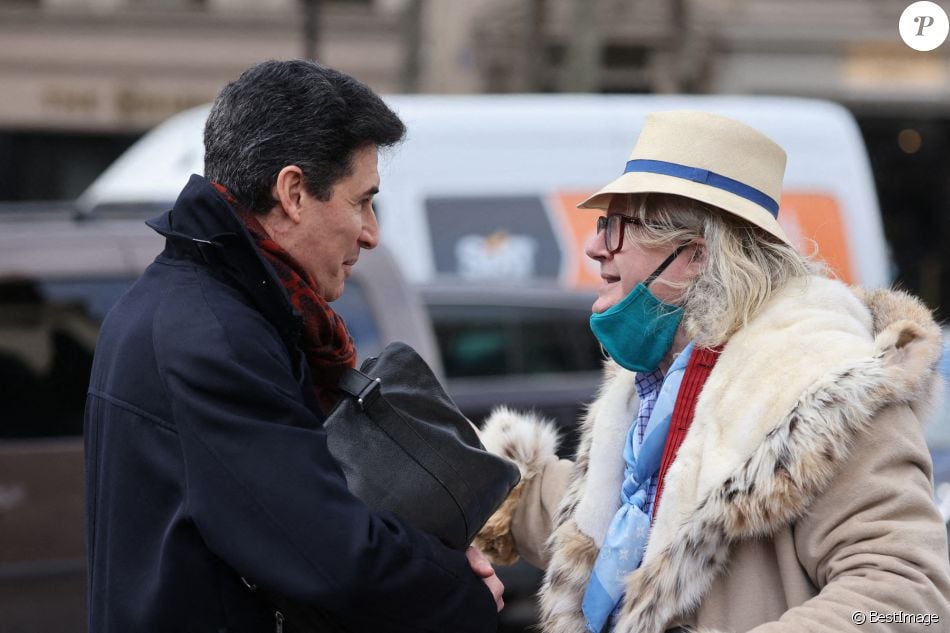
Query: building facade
[{"x": 81, "y": 79}]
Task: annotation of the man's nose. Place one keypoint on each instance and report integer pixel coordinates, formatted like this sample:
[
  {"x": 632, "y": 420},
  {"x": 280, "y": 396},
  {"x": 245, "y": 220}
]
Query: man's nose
[{"x": 369, "y": 237}]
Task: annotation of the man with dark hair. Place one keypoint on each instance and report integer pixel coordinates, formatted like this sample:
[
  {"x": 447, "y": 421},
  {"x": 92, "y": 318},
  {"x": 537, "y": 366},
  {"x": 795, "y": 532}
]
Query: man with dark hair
[{"x": 210, "y": 486}]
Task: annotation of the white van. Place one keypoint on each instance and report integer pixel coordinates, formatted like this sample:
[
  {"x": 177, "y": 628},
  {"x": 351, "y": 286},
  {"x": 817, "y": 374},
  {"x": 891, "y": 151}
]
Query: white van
[{"x": 484, "y": 187}]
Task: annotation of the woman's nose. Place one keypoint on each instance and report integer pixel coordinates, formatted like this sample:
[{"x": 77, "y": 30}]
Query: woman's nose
[{"x": 594, "y": 246}]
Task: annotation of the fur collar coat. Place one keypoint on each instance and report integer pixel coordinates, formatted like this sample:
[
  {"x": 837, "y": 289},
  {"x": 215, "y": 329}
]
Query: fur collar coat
[{"x": 800, "y": 496}]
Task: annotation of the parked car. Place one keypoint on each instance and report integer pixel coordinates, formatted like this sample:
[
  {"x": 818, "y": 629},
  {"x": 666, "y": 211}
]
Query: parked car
[
  {"x": 60, "y": 274},
  {"x": 527, "y": 347},
  {"x": 58, "y": 278},
  {"x": 938, "y": 435}
]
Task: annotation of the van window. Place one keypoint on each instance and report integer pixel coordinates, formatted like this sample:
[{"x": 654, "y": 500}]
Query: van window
[{"x": 491, "y": 340}]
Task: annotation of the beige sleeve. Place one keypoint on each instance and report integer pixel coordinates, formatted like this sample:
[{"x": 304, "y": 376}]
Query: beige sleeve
[
  {"x": 875, "y": 542},
  {"x": 533, "y": 517}
]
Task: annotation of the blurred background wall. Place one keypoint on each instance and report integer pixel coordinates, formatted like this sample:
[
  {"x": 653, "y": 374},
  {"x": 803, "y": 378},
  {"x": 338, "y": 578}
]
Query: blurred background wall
[{"x": 81, "y": 79}]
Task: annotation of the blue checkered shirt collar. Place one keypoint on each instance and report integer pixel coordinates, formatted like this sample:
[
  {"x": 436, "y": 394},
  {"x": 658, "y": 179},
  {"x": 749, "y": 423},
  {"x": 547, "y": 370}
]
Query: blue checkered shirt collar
[{"x": 648, "y": 384}]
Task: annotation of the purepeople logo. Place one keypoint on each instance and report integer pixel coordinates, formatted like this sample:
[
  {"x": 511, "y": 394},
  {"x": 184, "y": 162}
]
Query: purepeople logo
[{"x": 924, "y": 26}]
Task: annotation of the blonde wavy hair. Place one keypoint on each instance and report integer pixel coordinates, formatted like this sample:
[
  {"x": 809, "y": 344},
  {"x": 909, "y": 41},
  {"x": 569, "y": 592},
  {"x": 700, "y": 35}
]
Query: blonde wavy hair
[{"x": 744, "y": 265}]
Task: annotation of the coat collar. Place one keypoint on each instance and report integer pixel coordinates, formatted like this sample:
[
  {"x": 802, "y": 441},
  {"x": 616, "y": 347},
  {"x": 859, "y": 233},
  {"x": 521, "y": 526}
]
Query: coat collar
[
  {"x": 813, "y": 338},
  {"x": 202, "y": 226},
  {"x": 774, "y": 421}
]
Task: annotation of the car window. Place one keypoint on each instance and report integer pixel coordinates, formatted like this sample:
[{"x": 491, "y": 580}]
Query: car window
[
  {"x": 48, "y": 331},
  {"x": 491, "y": 340},
  {"x": 96, "y": 296},
  {"x": 938, "y": 432},
  {"x": 360, "y": 319},
  {"x": 938, "y": 423}
]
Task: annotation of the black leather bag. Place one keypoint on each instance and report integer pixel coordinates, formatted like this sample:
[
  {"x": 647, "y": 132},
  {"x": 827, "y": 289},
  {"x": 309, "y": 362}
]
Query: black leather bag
[{"x": 405, "y": 447}]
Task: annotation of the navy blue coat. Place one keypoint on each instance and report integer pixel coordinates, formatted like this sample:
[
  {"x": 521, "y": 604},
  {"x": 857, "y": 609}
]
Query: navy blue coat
[{"x": 206, "y": 462}]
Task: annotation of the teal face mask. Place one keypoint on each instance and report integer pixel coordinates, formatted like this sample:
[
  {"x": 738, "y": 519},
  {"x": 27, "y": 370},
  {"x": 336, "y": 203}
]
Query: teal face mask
[{"x": 639, "y": 331}]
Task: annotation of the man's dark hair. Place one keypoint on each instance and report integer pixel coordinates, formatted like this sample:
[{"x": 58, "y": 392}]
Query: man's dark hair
[{"x": 295, "y": 112}]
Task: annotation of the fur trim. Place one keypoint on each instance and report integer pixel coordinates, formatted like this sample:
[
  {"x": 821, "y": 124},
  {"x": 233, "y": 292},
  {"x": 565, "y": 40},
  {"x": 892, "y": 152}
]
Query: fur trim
[
  {"x": 523, "y": 437},
  {"x": 572, "y": 551},
  {"x": 617, "y": 406},
  {"x": 772, "y": 489},
  {"x": 573, "y": 554},
  {"x": 495, "y": 539},
  {"x": 530, "y": 442},
  {"x": 759, "y": 449},
  {"x": 895, "y": 311}
]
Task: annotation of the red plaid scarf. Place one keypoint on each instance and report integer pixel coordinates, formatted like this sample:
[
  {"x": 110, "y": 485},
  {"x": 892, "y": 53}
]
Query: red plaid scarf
[{"x": 327, "y": 344}]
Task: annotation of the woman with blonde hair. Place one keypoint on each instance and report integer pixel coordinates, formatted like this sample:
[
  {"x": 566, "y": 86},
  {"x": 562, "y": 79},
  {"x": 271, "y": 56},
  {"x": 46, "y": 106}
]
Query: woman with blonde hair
[{"x": 754, "y": 460}]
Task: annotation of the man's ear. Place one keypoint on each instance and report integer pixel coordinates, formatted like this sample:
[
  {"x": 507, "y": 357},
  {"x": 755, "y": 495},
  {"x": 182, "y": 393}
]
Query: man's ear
[{"x": 289, "y": 191}]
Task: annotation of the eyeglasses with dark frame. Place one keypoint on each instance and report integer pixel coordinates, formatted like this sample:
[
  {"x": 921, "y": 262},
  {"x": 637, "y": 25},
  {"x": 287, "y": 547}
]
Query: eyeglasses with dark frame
[{"x": 613, "y": 226}]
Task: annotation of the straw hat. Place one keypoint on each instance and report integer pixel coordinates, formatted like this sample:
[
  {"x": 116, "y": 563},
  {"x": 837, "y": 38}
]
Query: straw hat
[{"x": 706, "y": 157}]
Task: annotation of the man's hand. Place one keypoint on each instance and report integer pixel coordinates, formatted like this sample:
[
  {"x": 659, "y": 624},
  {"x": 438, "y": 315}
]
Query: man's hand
[{"x": 486, "y": 572}]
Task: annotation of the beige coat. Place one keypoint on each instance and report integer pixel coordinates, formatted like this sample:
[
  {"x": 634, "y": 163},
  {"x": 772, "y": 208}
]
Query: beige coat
[{"x": 801, "y": 495}]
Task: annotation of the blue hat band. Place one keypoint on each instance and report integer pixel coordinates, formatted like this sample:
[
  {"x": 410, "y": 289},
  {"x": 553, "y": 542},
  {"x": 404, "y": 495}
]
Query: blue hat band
[{"x": 706, "y": 177}]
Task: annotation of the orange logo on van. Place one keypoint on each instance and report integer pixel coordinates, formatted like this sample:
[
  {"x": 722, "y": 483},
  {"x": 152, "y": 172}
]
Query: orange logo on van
[
  {"x": 809, "y": 220},
  {"x": 578, "y": 270}
]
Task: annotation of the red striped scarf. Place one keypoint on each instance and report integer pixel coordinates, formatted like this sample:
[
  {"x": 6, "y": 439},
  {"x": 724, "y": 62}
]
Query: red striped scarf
[{"x": 700, "y": 365}]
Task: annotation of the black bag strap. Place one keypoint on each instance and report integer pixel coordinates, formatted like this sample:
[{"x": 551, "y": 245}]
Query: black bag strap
[
  {"x": 366, "y": 391},
  {"x": 360, "y": 387}
]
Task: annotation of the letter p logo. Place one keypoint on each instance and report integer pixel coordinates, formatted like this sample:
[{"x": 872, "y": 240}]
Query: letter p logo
[
  {"x": 924, "y": 21},
  {"x": 924, "y": 26}
]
